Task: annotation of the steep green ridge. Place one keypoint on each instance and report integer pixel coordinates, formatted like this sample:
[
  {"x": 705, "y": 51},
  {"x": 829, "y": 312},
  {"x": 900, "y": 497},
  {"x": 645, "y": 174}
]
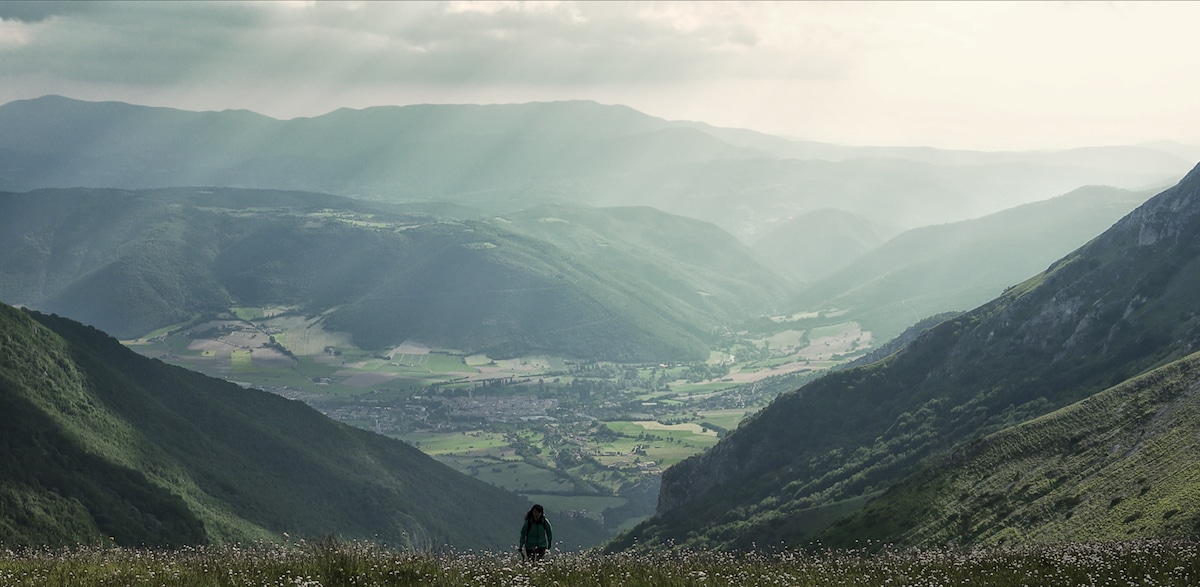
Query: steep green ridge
[
  {"x": 130, "y": 262},
  {"x": 101, "y": 443},
  {"x": 1124, "y": 463},
  {"x": 958, "y": 266},
  {"x": 508, "y": 157},
  {"x": 1122, "y": 304}
]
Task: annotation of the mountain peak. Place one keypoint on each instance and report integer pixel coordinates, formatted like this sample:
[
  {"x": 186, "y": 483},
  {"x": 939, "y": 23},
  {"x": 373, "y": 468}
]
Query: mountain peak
[{"x": 1168, "y": 215}]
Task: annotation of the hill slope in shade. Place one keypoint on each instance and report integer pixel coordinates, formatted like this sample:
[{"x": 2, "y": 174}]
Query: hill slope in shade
[
  {"x": 685, "y": 259},
  {"x": 1117, "y": 307},
  {"x": 102, "y": 442}
]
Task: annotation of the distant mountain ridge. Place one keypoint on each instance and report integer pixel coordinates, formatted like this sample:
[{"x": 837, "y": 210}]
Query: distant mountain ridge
[
  {"x": 504, "y": 158},
  {"x": 649, "y": 286},
  {"x": 960, "y": 265},
  {"x": 629, "y": 283},
  {"x": 813, "y": 245},
  {"x": 1117, "y": 307},
  {"x": 105, "y": 445}
]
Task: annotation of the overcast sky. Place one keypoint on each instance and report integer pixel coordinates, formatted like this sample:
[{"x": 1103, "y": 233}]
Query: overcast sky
[{"x": 1001, "y": 75}]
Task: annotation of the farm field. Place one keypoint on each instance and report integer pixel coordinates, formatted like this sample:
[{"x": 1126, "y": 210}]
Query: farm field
[{"x": 594, "y": 436}]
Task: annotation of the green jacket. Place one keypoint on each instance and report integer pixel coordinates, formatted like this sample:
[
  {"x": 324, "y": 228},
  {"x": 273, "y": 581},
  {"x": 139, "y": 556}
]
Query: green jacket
[{"x": 536, "y": 535}]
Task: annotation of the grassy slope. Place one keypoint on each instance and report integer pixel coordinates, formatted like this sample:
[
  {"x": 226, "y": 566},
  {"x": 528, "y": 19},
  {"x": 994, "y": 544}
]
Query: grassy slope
[
  {"x": 103, "y": 442},
  {"x": 331, "y": 564},
  {"x": 1124, "y": 463}
]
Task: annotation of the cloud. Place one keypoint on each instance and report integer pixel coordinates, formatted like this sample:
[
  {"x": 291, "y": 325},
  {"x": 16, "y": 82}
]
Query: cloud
[
  {"x": 25, "y": 11},
  {"x": 424, "y": 43},
  {"x": 142, "y": 43},
  {"x": 895, "y": 72}
]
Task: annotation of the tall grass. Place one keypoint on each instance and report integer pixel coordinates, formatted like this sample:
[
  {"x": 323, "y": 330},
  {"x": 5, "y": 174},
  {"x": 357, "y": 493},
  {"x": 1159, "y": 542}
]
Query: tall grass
[{"x": 334, "y": 564}]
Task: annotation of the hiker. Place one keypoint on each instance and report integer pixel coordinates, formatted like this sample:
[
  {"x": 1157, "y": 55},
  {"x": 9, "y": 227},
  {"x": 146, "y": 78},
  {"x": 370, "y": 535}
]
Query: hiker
[{"x": 536, "y": 534}]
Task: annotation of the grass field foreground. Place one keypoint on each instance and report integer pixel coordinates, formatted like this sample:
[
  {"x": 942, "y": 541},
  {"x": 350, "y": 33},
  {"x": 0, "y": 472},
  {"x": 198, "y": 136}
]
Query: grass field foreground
[{"x": 334, "y": 564}]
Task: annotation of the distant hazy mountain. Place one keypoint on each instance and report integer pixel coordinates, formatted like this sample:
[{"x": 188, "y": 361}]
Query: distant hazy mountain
[
  {"x": 504, "y": 158},
  {"x": 1185, "y": 152},
  {"x": 102, "y": 444},
  {"x": 641, "y": 285},
  {"x": 958, "y": 266},
  {"x": 814, "y": 244},
  {"x": 415, "y": 152},
  {"x": 1118, "y": 307},
  {"x": 1153, "y": 158}
]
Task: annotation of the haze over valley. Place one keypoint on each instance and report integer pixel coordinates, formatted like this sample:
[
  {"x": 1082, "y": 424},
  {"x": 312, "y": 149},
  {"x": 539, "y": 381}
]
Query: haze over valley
[{"x": 669, "y": 329}]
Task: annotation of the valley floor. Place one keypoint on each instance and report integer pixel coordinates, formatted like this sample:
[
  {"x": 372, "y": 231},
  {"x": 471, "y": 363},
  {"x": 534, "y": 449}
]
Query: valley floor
[{"x": 583, "y": 438}]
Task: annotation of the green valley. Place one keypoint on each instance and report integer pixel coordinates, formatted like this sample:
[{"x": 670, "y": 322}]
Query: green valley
[
  {"x": 582, "y": 437},
  {"x": 566, "y": 353}
]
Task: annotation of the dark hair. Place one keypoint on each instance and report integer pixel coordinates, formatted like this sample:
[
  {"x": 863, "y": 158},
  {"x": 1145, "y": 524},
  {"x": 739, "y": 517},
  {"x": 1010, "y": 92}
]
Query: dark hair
[{"x": 537, "y": 507}]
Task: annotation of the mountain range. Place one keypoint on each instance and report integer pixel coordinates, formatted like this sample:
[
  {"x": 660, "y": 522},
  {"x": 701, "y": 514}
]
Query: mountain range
[
  {"x": 504, "y": 158},
  {"x": 618, "y": 284},
  {"x": 1049, "y": 412},
  {"x": 627, "y": 283},
  {"x": 960, "y": 265}
]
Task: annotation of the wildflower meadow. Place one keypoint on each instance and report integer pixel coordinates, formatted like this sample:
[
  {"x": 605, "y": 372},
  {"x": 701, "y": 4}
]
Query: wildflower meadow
[{"x": 330, "y": 563}]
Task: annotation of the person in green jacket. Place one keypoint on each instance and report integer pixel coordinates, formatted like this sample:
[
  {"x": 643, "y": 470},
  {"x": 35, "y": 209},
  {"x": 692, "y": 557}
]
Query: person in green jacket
[{"x": 536, "y": 534}]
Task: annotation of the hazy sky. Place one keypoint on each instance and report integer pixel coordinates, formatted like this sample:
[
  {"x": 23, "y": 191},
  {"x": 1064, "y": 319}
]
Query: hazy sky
[{"x": 996, "y": 75}]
